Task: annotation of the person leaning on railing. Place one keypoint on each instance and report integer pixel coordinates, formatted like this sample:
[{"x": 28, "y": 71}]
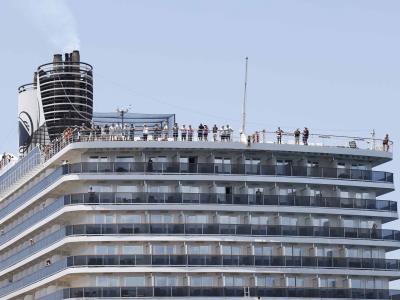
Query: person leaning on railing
[
  {"x": 279, "y": 134},
  {"x": 215, "y": 132}
]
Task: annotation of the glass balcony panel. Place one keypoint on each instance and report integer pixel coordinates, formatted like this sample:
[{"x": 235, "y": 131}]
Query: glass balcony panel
[
  {"x": 111, "y": 292},
  {"x": 92, "y": 292},
  {"x": 122, "y": 167},
  {"x": 162, "y": 292},
  {"x": 271, "y": 200}
]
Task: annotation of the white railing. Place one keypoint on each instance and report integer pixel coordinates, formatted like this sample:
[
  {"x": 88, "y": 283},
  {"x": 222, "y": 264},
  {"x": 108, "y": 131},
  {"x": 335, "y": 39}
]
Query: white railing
[
  {"x": 19, "y": 169},
  {"x": 266, "y": 137}
]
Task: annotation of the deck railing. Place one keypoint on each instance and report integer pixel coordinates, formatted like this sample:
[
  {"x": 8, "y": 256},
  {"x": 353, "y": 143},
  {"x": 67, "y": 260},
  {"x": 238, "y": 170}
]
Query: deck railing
[
  {"x": 227, "y": 169},
  {"x": 201, "y": 260},
  {"x": 200, "y": 229},
  {"x": 264, "y": 137},
  {"x": 195, "y": 198},
  {"x": 213, "y": 291}
]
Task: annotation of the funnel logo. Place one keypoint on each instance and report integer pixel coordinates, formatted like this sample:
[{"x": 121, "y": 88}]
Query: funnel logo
[{"x": 25, "y": 131}]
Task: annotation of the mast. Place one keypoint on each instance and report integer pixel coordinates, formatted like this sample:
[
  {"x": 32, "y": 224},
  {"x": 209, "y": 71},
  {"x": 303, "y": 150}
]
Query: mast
[{"x": 242, "y": 132}]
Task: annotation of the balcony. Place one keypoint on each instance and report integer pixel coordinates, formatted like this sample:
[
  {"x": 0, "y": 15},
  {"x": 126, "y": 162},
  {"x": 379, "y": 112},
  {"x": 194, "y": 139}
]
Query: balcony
[
  {"x": 227, "y": 169},
  {"x": 179, "y": 168},
  {"x": 198, "y": 198},
  {"x": 202, "y": 260},
  {"x": 186, "y": 291},
  {"x": 236, "y": 261},
  {"x": 234, "y": 229},
  {"x": 231, "y": 199},
  {"x": 200, "y": 229}
]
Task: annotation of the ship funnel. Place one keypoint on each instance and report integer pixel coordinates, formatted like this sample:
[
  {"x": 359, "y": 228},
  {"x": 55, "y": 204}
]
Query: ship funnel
[
  {"x": 75, "y": 56},
  {"x": 57, "y": 58}
]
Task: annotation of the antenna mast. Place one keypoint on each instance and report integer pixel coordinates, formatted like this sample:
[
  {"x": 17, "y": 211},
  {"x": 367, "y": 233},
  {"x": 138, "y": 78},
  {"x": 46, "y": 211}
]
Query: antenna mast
[{"x": 243, "y": 134}]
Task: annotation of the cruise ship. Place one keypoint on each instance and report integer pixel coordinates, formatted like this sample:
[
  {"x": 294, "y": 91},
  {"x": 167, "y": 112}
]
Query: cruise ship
[{"x": 96, "y": 210}]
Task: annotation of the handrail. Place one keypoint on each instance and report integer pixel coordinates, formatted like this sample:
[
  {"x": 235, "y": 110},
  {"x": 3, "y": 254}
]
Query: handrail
[
  {"x": 201, "y": 229},
  {"x": 64, "y": 63},
  {"x": 77, "y": 135},
  {"x": 234, "y": 260},
  {"x": 226, "y": 291},
  {"x": 29, "y": 222},
  {"x": 202, "y": 260},
  {"x": 34, "y": 277},
  {"x": 233, "y": 229},
  {"x": 228, "y": 169},
  {"x": 191, "y": 198},
  {"x": 34, "y": 190},
  {"x": 239, "y": 199},
  {"x": 20, "y": 169},
  {"x": 33, "y": 248}
]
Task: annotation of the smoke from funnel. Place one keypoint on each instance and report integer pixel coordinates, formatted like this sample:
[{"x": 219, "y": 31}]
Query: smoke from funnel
[{"x": 56, "y": 22}]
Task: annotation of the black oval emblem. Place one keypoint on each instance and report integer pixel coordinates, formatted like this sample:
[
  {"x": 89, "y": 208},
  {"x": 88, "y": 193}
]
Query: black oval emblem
[{"x": 25, "y": 131}]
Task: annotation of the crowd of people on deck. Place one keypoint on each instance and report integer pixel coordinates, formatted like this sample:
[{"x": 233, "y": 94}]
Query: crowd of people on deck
[
  {"x": 157, "y": 132},
  {"x": 255, "y": 137},
  {"x": 5, "y": 160},
  {"x": 297, "y": 133},
  {"x": 162, "y": 132},
  {"x": 130, "y": 132}
]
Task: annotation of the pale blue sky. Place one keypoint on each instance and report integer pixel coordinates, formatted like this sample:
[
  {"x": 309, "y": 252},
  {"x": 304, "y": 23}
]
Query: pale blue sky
[{"x": 330, "y": 65}]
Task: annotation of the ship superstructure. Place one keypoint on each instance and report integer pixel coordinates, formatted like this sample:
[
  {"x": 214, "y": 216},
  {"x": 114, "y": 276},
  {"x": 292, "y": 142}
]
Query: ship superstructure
[{"x": 100, "y": 215}]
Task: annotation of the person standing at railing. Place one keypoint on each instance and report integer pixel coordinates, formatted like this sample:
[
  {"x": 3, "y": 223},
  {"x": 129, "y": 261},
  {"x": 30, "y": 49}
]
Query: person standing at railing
[
  {"x": 92, "y": 195},
  {"x": 386, "y": 143},
  {"x": 156, "y": 132},
  {"x": 183, "y": 132},
  {"x": 297, "y": 136},
  {"x": 106, "y": 132},
  {"x": 115, "y": 132},
  {"x": 4, "y": 159},
  {"x": 258, "y": 196},
  {"x": 125, "y": 132},
  {"x": 215, "y": 132},
  {"x": 98, "y": 132},
  {"x": 200, "y": 132},
  {"x": 253, "y": 138},
  {"x": 165, "y": 131},
  {"x": 190, "y": 133},
  {"x": 205, "y": 133},
  {"x": 279, "y": 133},
  {"x": 374, "y": 231},
  {"x": 145, "y": 132},
  {"x": 175, "y": 130},
  {"x": 132, "y": 132},
  {"x": 306, "y": 134},
  {"x": 112, "y": 131},
  {"x": 64, "y": 137},
  {"x": 229, "y": 132},
  {"x": 222, "y": 133},
  {"x": 82, "y": 131},
  {"x": 92, "y": 131},
  {"x": 150, "y": 165},
  {"x": 119, "y": 132}
]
